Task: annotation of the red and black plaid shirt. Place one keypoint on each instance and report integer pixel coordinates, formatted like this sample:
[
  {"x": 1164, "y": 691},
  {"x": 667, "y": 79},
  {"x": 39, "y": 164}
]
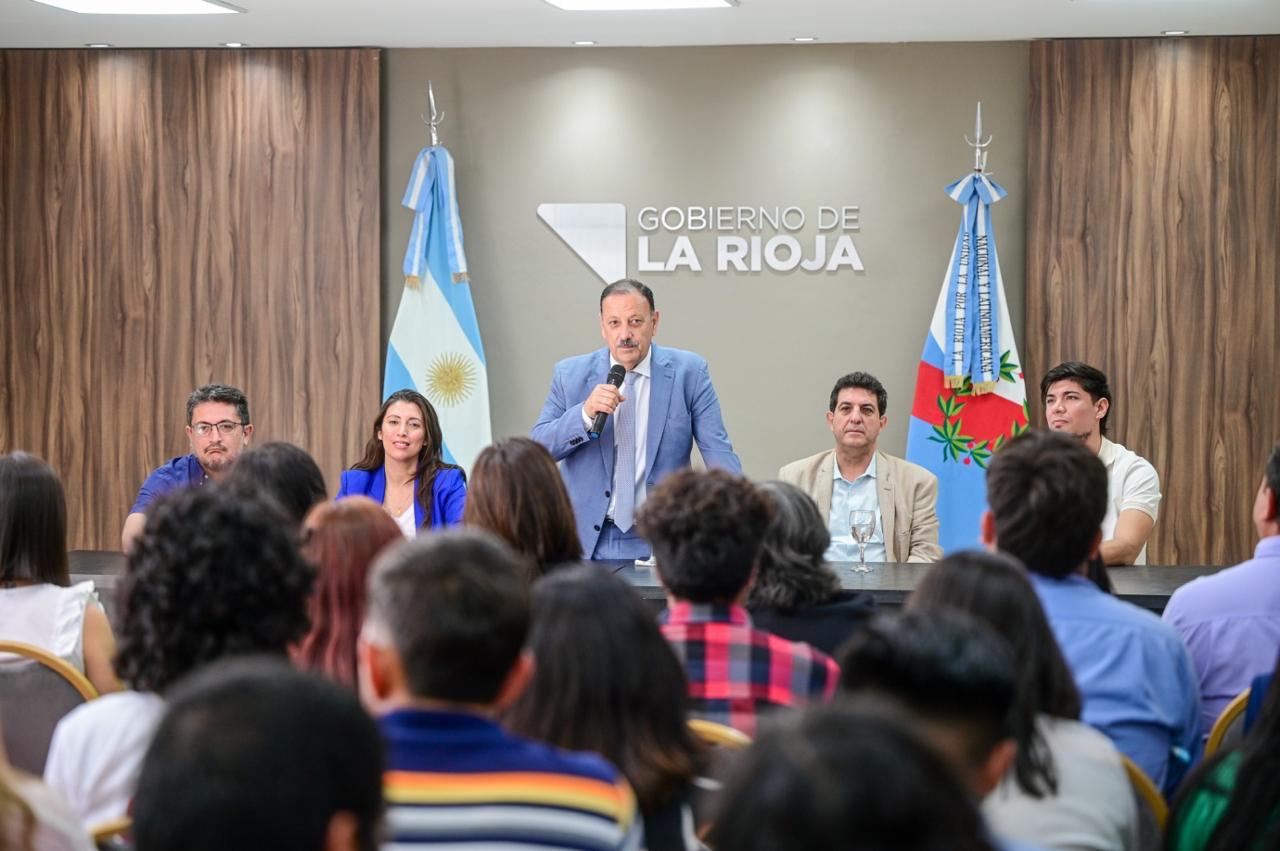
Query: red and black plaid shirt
[{"x": 735, "y": 670}]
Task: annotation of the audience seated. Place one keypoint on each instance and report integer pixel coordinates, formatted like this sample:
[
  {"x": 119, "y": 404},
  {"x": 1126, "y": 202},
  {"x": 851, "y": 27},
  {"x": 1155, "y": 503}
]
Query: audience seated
[
  {"x": 1047, "y": 495},
  {"x": 34, "y": 817},
  {"x": 403, "y": 467},
  {"x": 211, "y": 574},
  {"x": 845, "y": 778},
  {"x": 254, "y": 756},
  {"x": 1067, "y": 788},
  {"x": 1231, "y": 619},
  {"x": 36, "y": 605},
  {"x": 442, "y": 652},
  {"x": 1232, "y": 803},
  {"x": 795, "y": 594},
  {"x": 516, "y": 492},
  {"x": 706, "y": 530},
  {"x": 282, "y": 472},
  {"x": 341, "y": 540},
  {"x": 605, "y": 680}
]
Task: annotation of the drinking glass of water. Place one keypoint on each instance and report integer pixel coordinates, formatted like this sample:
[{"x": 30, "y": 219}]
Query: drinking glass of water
[{"x": 863, "y": 524}]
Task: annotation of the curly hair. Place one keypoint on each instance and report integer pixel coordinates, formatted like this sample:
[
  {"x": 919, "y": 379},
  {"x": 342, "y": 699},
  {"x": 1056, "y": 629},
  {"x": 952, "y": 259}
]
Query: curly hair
[
  {"x": 213, "y": 574},
  {"x": 790, "y": 573},
  {"x": 705, "y": 530}
]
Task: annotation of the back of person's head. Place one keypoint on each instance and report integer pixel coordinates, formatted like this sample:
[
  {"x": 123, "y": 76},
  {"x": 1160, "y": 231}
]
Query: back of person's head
[
  {"x": 607, "y": 681},
  {"x": 949, "y": 672},
  {"x": 33, "y": 521},
  {"x": 993, "y": 587},
  {"x": 1271, "y": 479},
  {"x": 516, "y": 492},
  {"x": 1047, "y": 495},
  {"x": 213, "y": 574},
  {"x": 282, "y": 471},
  {"x": 844, "y": 778},
  {"x": 1091, "y": 380},
  {"x": 341, "y": 540},
  {"x": 252, "y": 754},
  {"x": 454, "y": 607},
  {"x": 790, "y": 572},
  {"x": 705, "y": 529}
]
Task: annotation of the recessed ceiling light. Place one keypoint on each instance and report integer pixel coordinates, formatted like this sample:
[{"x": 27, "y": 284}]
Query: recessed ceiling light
[
  {"x": 1174, "y": 32},
  {"x": 637, "y": 5},
  {"x": 233, "y": 44},
  {"x": 144, "y": 7},
  {"x": 584, "y": 43},
  {"x": 98, "y": 44},
  {"x": 804, "y": 38}
]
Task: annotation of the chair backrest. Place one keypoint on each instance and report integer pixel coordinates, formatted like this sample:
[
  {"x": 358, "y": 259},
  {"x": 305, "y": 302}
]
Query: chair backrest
[
  {"x": 36, "y": 690},
  {"x": 112, "y": 834},
  {"x": 1153, "y": 811},
  {"x": 719, "y": 735},
  {"x": 1229, "y": 728}
]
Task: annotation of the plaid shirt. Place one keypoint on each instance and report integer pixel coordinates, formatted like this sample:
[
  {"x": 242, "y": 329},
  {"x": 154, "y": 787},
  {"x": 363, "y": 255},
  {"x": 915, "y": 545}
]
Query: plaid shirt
[{"x": 735, "y": 670}]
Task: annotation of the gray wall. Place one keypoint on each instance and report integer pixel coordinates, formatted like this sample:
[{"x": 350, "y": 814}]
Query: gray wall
[{"x": 879, "y": 126}]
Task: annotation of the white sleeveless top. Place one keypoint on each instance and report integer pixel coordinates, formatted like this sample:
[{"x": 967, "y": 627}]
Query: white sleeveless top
[
  {"x": 408, "y": 522},
  {"x": 48, "y": 616}
]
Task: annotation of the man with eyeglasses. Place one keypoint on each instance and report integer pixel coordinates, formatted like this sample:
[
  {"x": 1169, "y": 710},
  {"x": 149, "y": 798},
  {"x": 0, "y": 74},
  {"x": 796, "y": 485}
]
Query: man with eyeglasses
[{"x": 219, "y": 428}]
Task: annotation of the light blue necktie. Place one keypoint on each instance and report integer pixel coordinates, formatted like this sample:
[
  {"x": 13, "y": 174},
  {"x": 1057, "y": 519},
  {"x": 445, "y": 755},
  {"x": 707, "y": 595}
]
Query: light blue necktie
[{"x": 624, "y": 470}]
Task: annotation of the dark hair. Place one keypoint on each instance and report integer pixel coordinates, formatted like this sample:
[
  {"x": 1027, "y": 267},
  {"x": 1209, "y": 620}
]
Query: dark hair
[
  {"x": 1048, "y": 495},
  {"x": 607, "y": 681},
  {"x": 994, "y": 588},
  {"x": 252, "y": 754},
  {"x": 1090, "y": 379},
  {"x": 942, "y": 666},
  {"x": 627, "y": 285},
  {"x": 705, "y": 529},
  {"x": 213, "y": 574},
  {"x": 285, "y": 473},
  {"x": 790, "y": 573},
  {"x": 1273, "y": 472},
  {"x": 845, "y": 778},
  {"x": 341, "y": 540},
  {"x": 223, "y": 393},
  {"x": 33, "y": 521},
  {"x": 455, "y": 606},
  {"x": 1249, "y": 818},
  {"x": 863, "y": 381},
  {"x": 430, "y": 457},
  {"x": 517, "y": 493}
]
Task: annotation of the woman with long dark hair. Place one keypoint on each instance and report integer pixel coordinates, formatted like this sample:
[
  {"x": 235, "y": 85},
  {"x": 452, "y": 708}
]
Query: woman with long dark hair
[
  {"x": 404, "y": 468},
  {"x": 607, "y": 681},
  {"x": 1232, "y": 803},
  {"x": 517, "y": 493},
  {"x": 1067, "y": 787},
  {"x": 341, "y": 540},
  {"x": 38, "y": 604}
]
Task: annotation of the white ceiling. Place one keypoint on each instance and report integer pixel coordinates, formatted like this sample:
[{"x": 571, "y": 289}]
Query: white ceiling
[{"x": 533, "y": 23}]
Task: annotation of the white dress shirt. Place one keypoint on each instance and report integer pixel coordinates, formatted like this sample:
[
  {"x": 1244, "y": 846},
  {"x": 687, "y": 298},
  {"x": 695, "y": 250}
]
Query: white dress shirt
[
  {"x": 639, "y": 397},
  {"x": 846, "y": 496}
]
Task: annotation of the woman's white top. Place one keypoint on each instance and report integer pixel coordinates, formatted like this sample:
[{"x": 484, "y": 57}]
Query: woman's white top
[
  {"x": 48, "y": 616},
  {"x": 407, "y": 521}
]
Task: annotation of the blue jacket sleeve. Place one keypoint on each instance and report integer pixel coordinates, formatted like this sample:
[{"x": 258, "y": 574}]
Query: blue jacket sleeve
[
  {"x": 708, "y": 427},
  {"x": 450, "y": 495},
  {"x": 559, "y": 426}
]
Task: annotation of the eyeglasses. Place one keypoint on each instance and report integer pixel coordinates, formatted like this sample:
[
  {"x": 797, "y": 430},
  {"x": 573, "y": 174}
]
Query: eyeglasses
[{"x": 226, "y": 428}]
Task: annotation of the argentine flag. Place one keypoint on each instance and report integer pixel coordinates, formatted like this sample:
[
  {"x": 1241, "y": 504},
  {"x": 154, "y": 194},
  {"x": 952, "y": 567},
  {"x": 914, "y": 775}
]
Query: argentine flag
[{"x": 435, "y": 342}]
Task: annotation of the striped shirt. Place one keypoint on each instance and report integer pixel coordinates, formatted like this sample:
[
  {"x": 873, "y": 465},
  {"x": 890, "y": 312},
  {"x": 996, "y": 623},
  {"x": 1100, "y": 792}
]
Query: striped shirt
[
  {"x": 456, "y": 780},
  {"x": 735, "y": 670}
]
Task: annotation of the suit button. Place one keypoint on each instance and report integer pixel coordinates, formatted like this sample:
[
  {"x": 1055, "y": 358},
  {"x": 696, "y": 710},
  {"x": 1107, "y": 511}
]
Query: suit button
[
  {"x": 606, "y": 494},
  {"x": 597, "y": 528}
]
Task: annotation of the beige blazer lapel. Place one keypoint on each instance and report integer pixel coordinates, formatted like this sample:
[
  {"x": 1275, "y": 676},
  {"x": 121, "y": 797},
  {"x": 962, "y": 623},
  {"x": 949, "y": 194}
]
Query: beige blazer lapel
[
  {"x": 823, "y": 482},
  {"x": 888, "y": 518}
]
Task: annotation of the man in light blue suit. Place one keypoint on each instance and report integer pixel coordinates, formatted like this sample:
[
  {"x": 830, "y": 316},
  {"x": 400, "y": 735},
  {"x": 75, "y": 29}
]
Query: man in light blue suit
[{"x": 665, "y": 404}]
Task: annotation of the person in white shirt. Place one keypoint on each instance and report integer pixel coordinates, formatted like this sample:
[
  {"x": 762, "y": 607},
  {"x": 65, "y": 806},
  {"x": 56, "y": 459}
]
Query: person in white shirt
[{"x": 1077, "y": 400}]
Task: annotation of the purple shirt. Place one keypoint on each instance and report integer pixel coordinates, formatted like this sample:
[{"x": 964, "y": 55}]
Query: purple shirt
[
  {"x": 177, "y": 473},
  {"x": 1230, "y": 622}
]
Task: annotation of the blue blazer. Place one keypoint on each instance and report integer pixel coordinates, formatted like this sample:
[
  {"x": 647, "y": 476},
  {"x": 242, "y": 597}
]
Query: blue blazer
[
  {"x": 683, "y": 408},
  {"x": 448, "y": 493}
]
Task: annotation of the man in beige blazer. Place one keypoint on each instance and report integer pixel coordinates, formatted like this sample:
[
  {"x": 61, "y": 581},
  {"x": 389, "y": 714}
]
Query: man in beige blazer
[{"x": 855, "y": 474}]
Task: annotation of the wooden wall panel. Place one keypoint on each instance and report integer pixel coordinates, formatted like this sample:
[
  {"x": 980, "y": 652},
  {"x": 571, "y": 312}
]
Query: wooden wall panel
[
  {"x": 1153, "y": 252},
  {"x": 174, "y": 217}
]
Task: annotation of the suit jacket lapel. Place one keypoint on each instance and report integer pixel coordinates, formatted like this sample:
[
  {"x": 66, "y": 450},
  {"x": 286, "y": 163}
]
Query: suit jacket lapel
[
  {"x": 825, "y": 483},
  {"x": 884, "y": 481},
  {"x": 378, "y": 485},
  {"x": 599, "y": 373},
  {"x": 662, "y": 378}
]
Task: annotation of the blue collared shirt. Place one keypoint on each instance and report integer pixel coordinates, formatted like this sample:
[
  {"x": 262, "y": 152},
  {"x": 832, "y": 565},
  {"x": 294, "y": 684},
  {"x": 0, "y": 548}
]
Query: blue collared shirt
[
  {"x": 1134, "y": 674},
  {"x": 846, "y": 496},
  {"x": 176, "y": 473}
]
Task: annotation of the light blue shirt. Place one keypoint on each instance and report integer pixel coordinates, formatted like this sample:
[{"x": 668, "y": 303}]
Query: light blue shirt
[
  {"x": 1135, "y": 676},
  {"x": 846, "y": 496}
]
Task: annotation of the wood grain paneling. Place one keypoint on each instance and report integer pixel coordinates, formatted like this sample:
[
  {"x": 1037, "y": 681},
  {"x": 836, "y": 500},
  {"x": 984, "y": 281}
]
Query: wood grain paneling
[
  {"x": 169, "y": 218},
  {"x": 1153, "y": 250}
]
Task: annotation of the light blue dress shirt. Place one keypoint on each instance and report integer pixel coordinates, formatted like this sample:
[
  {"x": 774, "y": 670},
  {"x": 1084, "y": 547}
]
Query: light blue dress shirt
[
  {"x": 846, "y": 496},
  {"x": 1134, "y": 674}
]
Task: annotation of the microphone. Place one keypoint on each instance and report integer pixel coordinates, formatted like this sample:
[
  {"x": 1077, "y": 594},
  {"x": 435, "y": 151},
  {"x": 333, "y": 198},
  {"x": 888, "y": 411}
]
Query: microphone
[{"x": 615, "y": 378}]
